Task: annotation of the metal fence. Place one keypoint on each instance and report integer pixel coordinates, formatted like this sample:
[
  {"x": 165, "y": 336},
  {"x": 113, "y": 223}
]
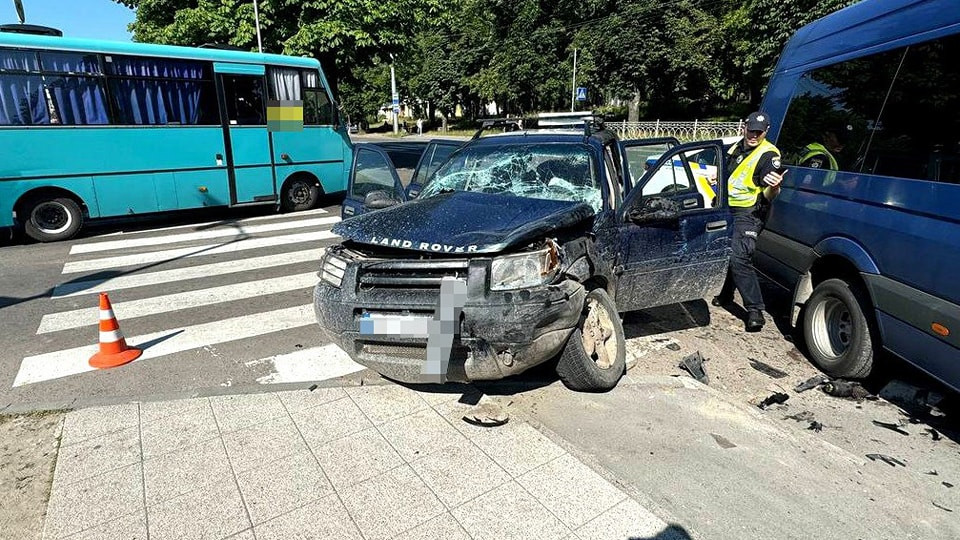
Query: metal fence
[{"x": 683, "y": 131}]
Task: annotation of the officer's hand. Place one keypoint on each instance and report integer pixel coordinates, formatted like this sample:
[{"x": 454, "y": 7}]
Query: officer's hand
[{"x": 773, "y": 179}]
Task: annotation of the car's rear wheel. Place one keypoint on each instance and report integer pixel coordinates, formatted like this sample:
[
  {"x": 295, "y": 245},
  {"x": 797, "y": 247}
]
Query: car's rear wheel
[
  {"x": 52, "y": 219},
  {"x": 836, "y": 330},
  {"x": 299, "y": 193},
  {"x": 594, "y": 358}
]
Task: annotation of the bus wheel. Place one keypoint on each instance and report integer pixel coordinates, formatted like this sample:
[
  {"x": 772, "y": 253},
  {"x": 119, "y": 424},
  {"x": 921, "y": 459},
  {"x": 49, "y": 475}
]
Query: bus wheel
[
  {"x": 52, "y": 219},
  {"x": 298, "y": 194},
  {"x": 836, "y": 331}
]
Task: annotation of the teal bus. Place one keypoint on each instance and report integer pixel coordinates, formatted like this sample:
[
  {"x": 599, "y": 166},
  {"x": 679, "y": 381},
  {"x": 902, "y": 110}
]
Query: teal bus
[{"x": 94, "y": 129}]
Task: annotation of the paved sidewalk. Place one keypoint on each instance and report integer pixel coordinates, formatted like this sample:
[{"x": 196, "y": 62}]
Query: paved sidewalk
[{"x": 361, "y": 462}]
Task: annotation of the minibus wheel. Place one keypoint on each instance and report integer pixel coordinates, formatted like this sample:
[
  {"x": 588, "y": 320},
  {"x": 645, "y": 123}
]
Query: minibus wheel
[
  {"x": 836, "y": 330},
  {"x": 595, "y": 355},
  {"x": 299, "y": 193},
  {"x": 52, "y": 219}
]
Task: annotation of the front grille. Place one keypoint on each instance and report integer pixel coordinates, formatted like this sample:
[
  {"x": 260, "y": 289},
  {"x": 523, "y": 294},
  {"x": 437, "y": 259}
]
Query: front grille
[
  {"x": 409, "y": 274},
  {"x": 413, "y": 352}
]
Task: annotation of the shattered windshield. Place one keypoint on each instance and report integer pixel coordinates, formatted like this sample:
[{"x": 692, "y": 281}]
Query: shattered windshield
[{"x": 553, "y": 171}]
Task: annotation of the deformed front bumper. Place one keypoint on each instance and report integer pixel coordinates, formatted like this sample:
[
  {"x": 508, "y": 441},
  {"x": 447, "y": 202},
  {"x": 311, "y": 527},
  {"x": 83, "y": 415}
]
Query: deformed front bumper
[{"x": 496, "y": 334}]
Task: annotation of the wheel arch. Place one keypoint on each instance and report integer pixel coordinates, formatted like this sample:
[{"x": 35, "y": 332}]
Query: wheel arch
[
  {"x": 20, "y": 206},
  {"x": 834, "y": 257}
]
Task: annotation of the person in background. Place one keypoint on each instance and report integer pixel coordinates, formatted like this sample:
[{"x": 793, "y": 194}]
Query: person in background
[{"x": 754, "y": 173}]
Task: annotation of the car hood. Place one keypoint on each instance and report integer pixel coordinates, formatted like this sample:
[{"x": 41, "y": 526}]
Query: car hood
[{"x": 463, "y": 222}]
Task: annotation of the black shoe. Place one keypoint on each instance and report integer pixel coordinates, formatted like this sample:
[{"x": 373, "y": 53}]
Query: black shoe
[
  {"x": 754, "y": 321},
  {"x": 721, "y": 301}
]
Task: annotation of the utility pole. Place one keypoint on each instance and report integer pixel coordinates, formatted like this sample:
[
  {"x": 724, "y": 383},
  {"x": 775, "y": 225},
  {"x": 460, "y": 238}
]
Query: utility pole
[
  {"x": 573, "y": 89},
  {"x": 395, "y": 98},
  {"x": 256, "y": 16}
]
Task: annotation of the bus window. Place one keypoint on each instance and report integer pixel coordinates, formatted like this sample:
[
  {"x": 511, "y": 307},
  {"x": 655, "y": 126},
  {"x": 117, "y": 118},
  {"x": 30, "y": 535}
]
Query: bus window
[
  {"x": 244, "y": 95},
  {"x": 317, "y": 107},
  {"x": 154, "y": 91}
]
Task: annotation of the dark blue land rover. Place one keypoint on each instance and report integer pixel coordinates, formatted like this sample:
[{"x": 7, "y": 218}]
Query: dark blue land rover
[{"x": 525, "y": 245}]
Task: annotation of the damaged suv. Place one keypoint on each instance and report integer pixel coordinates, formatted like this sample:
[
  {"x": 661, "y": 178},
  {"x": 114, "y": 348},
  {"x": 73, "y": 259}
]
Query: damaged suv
[{"x": 526, "y": 246}]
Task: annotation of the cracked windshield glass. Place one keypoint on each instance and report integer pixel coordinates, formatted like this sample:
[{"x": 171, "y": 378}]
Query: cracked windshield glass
[{"x": 559, "y": 172}]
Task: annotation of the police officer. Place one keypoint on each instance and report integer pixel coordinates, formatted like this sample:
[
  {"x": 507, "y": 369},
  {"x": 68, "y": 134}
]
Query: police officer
[{"x": 753, "y": 180}]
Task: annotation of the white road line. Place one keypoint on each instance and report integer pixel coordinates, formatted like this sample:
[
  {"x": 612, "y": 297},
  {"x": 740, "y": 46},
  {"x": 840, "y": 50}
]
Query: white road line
[
  {"x": 77, "y": 318},
  {"x": 130, "y": 281},
  {"x": 208, "y": 223},
  {"x": 58, "y": 364},
  {"x": 201, "y": 235},
  {"x": 314, "y": 364},
  {"x": 195, "y": 251}
]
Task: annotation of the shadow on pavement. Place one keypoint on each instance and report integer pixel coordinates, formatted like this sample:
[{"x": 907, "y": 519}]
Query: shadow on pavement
[
  {"x": 673, "y": 532},
  {"x": 671, "y": 318}
]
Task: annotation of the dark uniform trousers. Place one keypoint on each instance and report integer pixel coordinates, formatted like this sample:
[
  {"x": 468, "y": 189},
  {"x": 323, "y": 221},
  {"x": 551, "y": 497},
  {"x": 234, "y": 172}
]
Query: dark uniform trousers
[{"x": 747, "y": 224}]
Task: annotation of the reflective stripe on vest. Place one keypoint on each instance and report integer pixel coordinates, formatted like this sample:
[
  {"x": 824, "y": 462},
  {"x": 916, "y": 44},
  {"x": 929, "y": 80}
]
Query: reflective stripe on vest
[
  {"x": 816, "y": 149},
  {"x": 743, "y": 192}
]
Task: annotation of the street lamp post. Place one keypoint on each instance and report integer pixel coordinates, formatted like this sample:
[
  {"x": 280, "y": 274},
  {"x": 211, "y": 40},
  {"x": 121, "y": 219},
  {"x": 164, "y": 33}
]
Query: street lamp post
[
  {"x": 395, "y": 99},
  {"x": 256, "y": 16}
]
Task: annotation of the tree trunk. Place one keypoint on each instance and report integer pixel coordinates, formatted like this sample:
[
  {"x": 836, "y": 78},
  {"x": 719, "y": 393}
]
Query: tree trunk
[{"x": 633, "y": 110}]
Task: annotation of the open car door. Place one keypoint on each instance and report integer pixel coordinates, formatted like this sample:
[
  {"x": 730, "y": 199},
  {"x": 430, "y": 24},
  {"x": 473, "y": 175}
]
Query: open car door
[
  {"x": 674, "y": 245},
  {"x": 373, "y": 184},
  {"x": 435, "y": 154}
]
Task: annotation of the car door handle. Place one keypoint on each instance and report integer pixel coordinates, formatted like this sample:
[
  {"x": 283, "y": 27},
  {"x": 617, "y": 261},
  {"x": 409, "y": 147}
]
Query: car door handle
[
  {"x": 413, "y": 193},
  {"x": 716, "y": 225},
  {"x": 690, "y": 203},
  {"x": 348, "y": 210}
]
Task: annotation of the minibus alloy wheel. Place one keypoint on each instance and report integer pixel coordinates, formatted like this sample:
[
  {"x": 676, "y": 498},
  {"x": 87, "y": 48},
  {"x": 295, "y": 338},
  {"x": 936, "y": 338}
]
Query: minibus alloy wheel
[
  {"x": 836, "y": 330},
  {"x": 52, "y": 219}
]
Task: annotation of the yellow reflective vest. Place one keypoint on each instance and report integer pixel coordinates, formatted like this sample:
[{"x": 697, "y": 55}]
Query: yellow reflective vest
[{"x": 742, "y": 192}]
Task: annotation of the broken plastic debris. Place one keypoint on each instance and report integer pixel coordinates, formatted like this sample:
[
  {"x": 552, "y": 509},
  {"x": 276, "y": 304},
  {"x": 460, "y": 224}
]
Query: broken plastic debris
[
  {"x": 816, "y": 426},
  {"x": 804, "y": 416},
  {"x": 312, "y": 387},
  {"x": 773, "y": 399},
  {"x": 486, "y": 415},
  {"x": 891, "y": 427},
  {"x": 934, "y": 434},
  {"x": 845, "y": 389},
  {"x": 893, "y": 462},
  {"x": 947, "y": 484},
  {"x": 673, "y": 346},
  {"x": 693, "y": 363},
  {"x": 812, "y": 382},
  {"x": 767, "y": 369},
  {"x": 723, "y": 441},
  {"x": 942, "y": 507}
]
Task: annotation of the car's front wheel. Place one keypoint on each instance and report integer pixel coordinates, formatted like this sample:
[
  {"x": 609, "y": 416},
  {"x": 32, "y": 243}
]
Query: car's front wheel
[
  {"x": 594, "y": 358},
  {"x": 836, "y": 330}
]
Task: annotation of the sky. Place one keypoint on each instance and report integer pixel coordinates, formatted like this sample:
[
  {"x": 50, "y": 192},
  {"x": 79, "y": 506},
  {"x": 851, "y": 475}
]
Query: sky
[{"x": 100, "y": 19}]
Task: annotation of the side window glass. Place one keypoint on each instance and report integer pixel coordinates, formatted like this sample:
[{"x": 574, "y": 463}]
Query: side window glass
[
  {"x": 918, "y": 132},
  {"x": 681, "y": 180},
  {"x": 671, "y": 177},
  {"x": 155, "y": 91},
  {"x": 640, "y": 158},
  {"x": 244, "y": 96},
  {"x": 372, "y": 173},
  {"x": 284, "y": 84}
]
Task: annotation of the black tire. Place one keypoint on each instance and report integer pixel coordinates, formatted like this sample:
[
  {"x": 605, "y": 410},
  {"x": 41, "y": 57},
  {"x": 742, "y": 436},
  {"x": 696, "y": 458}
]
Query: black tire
[
  {"x": 588, "y": 371},
  {"x": 837, "y": 333},
  {"x": 299, "y": 193},
  {"x": 51, "y": 219}
]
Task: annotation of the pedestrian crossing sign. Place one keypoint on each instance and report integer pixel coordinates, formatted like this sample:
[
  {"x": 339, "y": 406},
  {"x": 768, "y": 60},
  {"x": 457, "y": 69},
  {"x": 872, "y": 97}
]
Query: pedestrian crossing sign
[{"x": 581, "y": 93}]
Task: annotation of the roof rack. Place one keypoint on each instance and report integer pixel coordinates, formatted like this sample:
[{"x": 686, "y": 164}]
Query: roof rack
[
  {"x": 511, "y": 124},
  {"x": 31, "y": 29},
  {"x": 223, "y": 46},
  {"x": 589, "y": 121}
]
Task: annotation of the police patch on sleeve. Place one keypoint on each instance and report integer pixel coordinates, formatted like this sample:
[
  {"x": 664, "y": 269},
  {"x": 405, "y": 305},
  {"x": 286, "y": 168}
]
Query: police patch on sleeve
[{"x": 775, "y": 162}]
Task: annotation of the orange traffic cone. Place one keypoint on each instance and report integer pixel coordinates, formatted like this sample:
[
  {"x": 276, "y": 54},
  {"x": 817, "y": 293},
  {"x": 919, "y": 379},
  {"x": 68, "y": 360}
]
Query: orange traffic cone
[{"x": 113, "y": 347}]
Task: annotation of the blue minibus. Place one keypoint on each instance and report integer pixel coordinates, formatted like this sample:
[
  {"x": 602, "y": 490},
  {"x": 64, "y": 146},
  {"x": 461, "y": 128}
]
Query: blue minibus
[
  {"x": 865, "y": 234},
  {"x": 93, "y": 129}
]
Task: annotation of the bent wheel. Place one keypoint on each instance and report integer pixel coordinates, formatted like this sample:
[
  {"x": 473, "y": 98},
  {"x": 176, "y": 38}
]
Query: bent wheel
[
  {"x": 836, "y": 330},
  {"x": 299, "y": 194},
  {"x": 594, "y": 357},
  {"x": 52, "y": 219}
]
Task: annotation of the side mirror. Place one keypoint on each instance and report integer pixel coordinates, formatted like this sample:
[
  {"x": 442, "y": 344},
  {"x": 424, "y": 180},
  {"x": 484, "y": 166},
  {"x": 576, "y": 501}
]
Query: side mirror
[
  {"x": 377, "y": 200},
  {"x": 655, "y": 210}
]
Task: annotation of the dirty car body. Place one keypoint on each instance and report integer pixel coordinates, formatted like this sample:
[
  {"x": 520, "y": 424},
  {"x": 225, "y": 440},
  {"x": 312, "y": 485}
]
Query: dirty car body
[{"x": 547, "y": 247}]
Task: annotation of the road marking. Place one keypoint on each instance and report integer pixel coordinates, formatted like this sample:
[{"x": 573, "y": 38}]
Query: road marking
[
  {"x": 314, "y": 364},
  {"x": 54, "y": 322},
  {"x": 130, "y": 281},
  {"x": 195, "y": 251},
  {"x": 208, "y": 223},
  {"x": 59, "y": 364},
  {"x": 201, "y": 235}
]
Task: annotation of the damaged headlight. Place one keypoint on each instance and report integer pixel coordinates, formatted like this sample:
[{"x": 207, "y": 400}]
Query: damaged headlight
[
  {"x": 524, "y": 269},
  {"x": 332, "y": 269}
]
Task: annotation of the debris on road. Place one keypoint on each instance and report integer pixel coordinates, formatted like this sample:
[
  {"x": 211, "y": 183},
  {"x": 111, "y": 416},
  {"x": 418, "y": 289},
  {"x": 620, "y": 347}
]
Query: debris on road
[
  {"x": 947, "y": 484},
  {"x": 312, "y": 387},
  {"x": 816, "y": 426},
  {"x": 774, "y": 399},
  {"x": 942, "y": 507},
  {"x": 934, "y": 434},
  {"x": 891, "y": 427},
  {"x": 673, "y": 346},
  {"x": 723, "y": 441},
  {"x": 811, "y": 383},
  {"x": 767, "y": 369},
  {"x": 487, "y": 415},
  {"x": 693, "y": 363},
  {"x": 893, "y": 462},
  {"x": 932, "y": 473},
  {"x": 846, "y": 389},
  {"x": 805, "y": 416}
]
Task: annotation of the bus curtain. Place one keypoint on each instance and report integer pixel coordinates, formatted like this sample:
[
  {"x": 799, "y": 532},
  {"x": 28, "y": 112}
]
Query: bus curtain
[
  {"x": 152, "y": 102},
  {"x": 21, "y": 101},
  {"x": 78, "y": 101}
]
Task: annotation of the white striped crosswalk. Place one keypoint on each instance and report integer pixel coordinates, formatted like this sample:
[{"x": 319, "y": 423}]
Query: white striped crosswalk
[{"x": 184, "y": 277}]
